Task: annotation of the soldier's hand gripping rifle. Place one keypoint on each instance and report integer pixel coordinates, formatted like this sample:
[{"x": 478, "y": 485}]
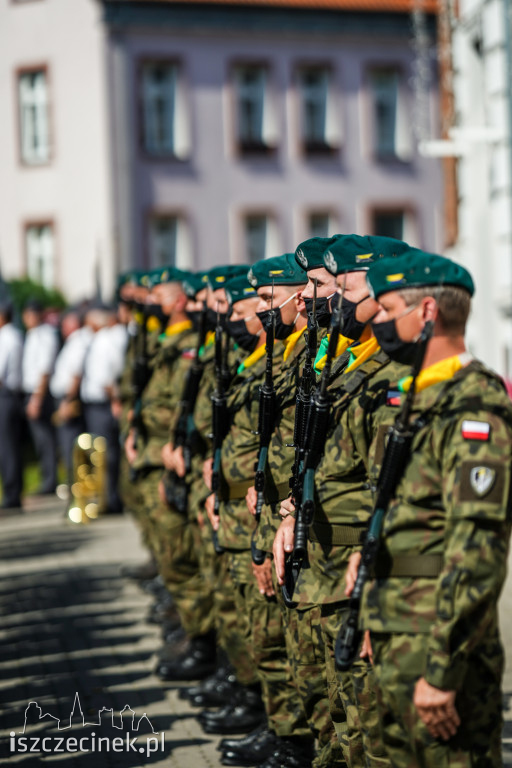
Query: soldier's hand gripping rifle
[
  {"x": 314, "y": 443},
  {"x": 266, "y": 424},
  {"x": 393, "y": 464},
  {"x": 184, "y": 426},
  {"x": 220, "y": 419}
]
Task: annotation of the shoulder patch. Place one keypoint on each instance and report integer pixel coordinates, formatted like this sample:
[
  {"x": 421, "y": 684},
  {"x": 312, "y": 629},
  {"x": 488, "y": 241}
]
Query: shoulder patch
[
  {"x": 189, "y": 354},
  {"x": 476, "y": 430},
  {"x": 484, "y": 482}
]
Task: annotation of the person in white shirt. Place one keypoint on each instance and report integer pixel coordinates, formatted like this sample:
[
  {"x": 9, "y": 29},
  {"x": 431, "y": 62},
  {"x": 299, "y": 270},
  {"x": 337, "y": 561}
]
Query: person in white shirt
[
  {"x": 39, "y": 353},
  {"x": 65, "y": 384},
  {"x": 11, "y": 350},
  {"x": 102, "y": 369}
]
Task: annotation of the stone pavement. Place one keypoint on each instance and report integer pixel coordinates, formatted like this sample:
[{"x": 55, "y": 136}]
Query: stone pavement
[{"x": 71, "y": 625}]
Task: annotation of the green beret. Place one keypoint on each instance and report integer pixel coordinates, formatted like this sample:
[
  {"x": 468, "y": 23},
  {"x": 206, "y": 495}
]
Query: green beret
[
  {"x": 134, "y": 276},
  {"x": 238, "y": 288},
  {"x": 279, "y": 270},
  {"x": 195, "y": 282},
  {"x": 417, "y": 269},
  {"x": 309, "y": 254},
  {"x": 166, "y": 275},
  {"x": 355, "y": 253},
  {"x": 219, "y": 275}
]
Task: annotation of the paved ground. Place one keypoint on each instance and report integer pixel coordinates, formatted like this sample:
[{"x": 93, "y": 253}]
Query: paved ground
[{"x": 71, "y": 625}]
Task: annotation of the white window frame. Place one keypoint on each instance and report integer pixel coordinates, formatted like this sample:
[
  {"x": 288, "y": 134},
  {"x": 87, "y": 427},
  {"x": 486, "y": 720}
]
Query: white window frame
[
  {"x": 34, "y": 116},
  {"x": 387, "y": 87},
  {"x": 180, "y": 252},
  {"x": 165, "y": 119},
  {"x": 409, "y": 225},
  {"x": 330, "y": 223},
  {"x": 40, "y": 253}
]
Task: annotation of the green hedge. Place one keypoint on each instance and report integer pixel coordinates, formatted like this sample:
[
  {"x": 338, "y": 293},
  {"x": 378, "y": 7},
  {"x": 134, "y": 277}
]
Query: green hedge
[{"x": 24, "y": 289}]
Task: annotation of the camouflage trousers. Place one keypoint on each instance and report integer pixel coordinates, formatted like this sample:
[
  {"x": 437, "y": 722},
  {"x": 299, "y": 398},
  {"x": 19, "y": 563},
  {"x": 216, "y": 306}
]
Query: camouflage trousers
[
  {"x": 262, "y": 623},
  {"x": 175, "y": 542},
  {"x": 132, "y": 500},
  {"x": 306, "y": 651},
  {"x": 231, "y": 631},
  {"x": 352, "y": 700},
  {"x": 400, "y": 660}
]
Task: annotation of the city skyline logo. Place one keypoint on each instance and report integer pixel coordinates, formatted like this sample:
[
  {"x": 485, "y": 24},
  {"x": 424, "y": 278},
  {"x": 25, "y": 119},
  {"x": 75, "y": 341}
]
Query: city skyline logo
[{"x": 125, "y": 722}]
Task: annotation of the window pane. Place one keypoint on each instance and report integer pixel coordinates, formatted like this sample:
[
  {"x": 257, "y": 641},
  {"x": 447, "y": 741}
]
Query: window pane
[
  {"x": 314, "y": 105},
  {"x": 250, "y": 84},
  {"x": 256, "y": 237},
  {"x": 163, "y": 241},
  {"x": 40, "y": 250},
  {"x": 385, "y": 106},
  {"x": 389, "y": 224},
  {"x": 319, "y": 225},
  {"x": 159, "y": 103},
  {"x": 33, "y": 105}
]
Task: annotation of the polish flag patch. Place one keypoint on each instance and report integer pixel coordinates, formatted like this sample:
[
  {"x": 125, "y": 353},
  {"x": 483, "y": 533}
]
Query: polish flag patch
[
  {"x": 476, "y": 430},
  {"x": 189, "y": 354},
  {"x": 393, "y": 397}
]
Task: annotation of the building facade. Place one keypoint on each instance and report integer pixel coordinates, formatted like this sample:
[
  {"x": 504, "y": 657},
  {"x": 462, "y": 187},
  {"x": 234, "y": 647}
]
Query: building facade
[{"x": 200, "y": 133}]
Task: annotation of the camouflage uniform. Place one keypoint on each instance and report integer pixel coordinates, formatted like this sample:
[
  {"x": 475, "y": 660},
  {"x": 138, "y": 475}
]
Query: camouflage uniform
[
  {"x": 260, "y": 617},
  {"x": 432, "y": 610}
]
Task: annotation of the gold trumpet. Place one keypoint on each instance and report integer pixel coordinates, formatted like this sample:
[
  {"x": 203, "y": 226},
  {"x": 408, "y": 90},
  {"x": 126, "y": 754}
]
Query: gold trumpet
[{"x": 89, "y": 488}]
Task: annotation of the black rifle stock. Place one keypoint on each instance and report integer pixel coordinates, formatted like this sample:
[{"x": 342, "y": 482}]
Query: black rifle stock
[
  {"x": 393, "y": 465},
  {"x": 314, "y": 442},
  {"x": 266, "y": 423}
]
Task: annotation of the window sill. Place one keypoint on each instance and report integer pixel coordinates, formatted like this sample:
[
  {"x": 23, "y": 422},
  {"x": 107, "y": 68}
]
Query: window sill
[{"x": 246, "y": 148}]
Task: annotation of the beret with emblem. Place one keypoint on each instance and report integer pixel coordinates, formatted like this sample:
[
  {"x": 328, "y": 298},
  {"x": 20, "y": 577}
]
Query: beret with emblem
[
  {"x": 219, "y": 275},
  {"x": 310, "y": 253},
  {"x": 279, "y": 270},
  {"x": 415, "y": 268},
  {"x": 355, "y": 253},
  {"x": 238, "y": 288},
  {"x": 166, "y": 275},
  {"x": 195, "y": 282}
]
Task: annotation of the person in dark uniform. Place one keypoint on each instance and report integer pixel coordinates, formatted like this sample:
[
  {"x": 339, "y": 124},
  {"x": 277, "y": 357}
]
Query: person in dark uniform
[
  {"x": 11, "y": 351},
  {"x": 39, "y": 353}
]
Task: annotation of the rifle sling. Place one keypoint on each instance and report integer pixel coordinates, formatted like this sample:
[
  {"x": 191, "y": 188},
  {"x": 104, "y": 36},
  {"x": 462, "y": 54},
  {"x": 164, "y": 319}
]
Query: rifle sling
[
  {"x": 408, "y": 566},
  {"x": 336, "y": 535}
]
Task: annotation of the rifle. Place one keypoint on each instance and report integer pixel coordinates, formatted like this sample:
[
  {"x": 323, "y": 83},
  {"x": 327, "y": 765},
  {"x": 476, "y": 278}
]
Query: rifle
[
  {"x": 266, "y": 423},
  {"x": 393, "y": 465},
  {"x": 140, "y": 377},
  {"x": 219, "y": 417},
  {"x": 314, "y": 443},
  {"x": 184, "y": 426}
]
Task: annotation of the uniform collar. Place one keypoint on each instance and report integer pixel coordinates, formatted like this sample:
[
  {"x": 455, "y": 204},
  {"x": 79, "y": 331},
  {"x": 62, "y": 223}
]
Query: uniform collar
[
  {"x": 443, "y": 370},
  {"x": 291, "y": 342}
]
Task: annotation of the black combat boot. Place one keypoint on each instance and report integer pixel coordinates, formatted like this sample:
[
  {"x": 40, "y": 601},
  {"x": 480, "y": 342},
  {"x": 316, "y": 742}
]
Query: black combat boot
[
  {"x": 242, "y": 715},
  {"x": 196, "y": 663},
  {"x": 292, "y": 752},
  {"x": 254, "y": 753}
]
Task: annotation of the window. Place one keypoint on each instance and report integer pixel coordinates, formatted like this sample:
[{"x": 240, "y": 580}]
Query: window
[
  {"x": 319, "y": 225},
  {"x": 391, "y": 127},
  {"x": 261, "y": 239},
  {"x": 40, "y": 253},
  {"x": 165, "y": 121},
  {"x": 34, "y": 117},
  {"x": 169, "y": 242},
  {"x": 253, "y": 114},
  {"x": 318, "y": 124},
  {"x": 398, "y": 223}
]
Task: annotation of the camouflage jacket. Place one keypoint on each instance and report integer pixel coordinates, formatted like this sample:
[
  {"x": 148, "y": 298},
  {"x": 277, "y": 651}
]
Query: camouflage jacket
[
  {"x": 162, "y": 395},
  {"x": 126, "y": 387},
  {"x": 343, "y": 497},
  {"x": 238, "y": 458},
  {"x": 453, "y": 505}
]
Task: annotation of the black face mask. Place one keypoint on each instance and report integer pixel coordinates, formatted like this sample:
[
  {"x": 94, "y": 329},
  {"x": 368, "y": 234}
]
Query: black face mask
[
  {"x": 390, "y": 342},
  {"x": 139, "y": 307},
  {"x": 195, "y": 317},
  {"x": 211, "y": 319},
  {"x": 352, "y": 328},
  {"x": 155, "y": 310},
  {"x": 237, "y": 329},
  {"x": 323, "y": 311},
  {"x": 282, "y": 330},
  {"x": 334, "y": 301}
]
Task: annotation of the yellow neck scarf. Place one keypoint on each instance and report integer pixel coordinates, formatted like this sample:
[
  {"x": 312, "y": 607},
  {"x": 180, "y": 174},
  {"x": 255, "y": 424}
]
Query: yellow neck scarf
[
  {"x": 361, "y": 353},
  {"x": 440, "y": 371},
  {"x": 291, "y": 342},
  {"x": 321, "y": 357},
  {"x": 253, "y": 358},
  {"x": 175, "y": 328}
]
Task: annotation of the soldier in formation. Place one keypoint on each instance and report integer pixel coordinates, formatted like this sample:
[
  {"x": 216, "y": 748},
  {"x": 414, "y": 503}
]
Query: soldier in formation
[{"x": 321, "y": 474}]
